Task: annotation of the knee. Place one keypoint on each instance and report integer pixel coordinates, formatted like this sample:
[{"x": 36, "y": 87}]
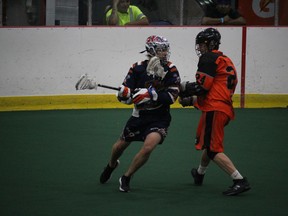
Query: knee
[
  {"x": 120, "y": 145},
  {"x": 146, "y": 150},
  {"x": 211, "y": 154}
]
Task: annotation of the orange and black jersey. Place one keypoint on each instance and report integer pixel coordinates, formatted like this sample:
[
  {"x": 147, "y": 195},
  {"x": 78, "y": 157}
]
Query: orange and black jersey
[
  {"x": 217, "y": 75},
  {"x": 167, "y": 89}
]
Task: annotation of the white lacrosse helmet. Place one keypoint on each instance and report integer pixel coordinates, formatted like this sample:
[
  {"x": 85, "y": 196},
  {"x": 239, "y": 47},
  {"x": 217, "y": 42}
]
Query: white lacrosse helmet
[{"x": 158, "y": 46}]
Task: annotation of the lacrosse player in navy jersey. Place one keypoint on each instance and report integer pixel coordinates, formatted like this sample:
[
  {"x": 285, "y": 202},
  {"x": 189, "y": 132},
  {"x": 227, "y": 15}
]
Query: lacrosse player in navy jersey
[{"x": 152, "y": 85}]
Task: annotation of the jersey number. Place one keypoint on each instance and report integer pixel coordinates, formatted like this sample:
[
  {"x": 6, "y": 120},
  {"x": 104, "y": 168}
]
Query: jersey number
[
  {"x": 231, "y": 82},
  {"x": 200, "y": 80},
  {"x": 231, "y": 79}
]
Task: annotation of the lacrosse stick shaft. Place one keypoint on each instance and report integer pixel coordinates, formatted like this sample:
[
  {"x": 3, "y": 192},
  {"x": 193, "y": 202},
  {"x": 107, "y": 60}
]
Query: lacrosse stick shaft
[
  {"x": 87, "y": 83},
  {"x": 109, "y": 87}
]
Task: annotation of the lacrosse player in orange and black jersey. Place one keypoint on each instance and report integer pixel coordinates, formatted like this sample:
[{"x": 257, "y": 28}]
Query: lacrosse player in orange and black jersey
[
  {"x": 216, "y": 80},
  {"x": 152, "y": 85}
]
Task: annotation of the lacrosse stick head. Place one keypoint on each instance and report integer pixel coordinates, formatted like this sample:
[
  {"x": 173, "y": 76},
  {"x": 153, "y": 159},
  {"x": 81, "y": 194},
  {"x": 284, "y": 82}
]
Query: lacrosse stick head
[
  {"x": 155, "y": 68},
  {"x": 85, "y": 82},
  {"x": 158, "y": 46}
]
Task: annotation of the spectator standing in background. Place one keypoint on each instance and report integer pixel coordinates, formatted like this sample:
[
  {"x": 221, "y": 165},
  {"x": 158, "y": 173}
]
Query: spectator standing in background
[
  {"x": 122, "y": 13},
  {"x": 222, "y": 14}
]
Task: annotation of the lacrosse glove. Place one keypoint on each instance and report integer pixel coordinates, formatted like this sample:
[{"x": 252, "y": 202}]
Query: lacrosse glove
[
  {"x": 144, "y": 95},
  {"x": 124, "y": 95},
  {"x": 187, "y": 101},
  {"x": 190, "y": 88}
]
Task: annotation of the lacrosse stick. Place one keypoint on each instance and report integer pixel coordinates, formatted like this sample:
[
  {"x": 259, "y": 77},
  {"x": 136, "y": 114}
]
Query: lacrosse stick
[
  {"x": 85, "y": 82},
  {"x": 155, "y": 68}
]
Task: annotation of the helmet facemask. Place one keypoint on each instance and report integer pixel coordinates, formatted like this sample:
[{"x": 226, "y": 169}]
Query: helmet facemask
[
  {"x": 207, "y": 40},
  {"x": 201, "y": 48},
  {"x": 158, "y": 46}
]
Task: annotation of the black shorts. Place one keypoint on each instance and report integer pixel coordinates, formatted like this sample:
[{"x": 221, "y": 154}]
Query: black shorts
[{"x": 136, "y": 129}]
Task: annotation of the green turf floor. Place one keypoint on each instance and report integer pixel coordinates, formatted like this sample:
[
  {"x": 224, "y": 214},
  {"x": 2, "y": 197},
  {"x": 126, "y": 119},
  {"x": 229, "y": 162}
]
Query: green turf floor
[{"x": 50, "y": 162}]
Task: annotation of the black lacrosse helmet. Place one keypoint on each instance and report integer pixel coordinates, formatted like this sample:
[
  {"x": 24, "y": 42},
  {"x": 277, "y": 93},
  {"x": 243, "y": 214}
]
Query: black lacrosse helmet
[{"x": 211, "y": 37}]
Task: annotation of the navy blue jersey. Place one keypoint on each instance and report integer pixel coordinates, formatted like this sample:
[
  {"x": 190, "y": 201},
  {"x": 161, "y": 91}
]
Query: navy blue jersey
[{"x": 167, "y": 89}]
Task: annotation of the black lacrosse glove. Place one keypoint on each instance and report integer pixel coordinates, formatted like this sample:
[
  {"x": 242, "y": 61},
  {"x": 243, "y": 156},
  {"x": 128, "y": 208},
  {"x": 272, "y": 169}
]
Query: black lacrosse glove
[{"x": 188, "y": 89}]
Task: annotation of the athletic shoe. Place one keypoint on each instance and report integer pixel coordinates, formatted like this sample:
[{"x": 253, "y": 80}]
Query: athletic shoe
[
  {"x": 106, "y": 174},
  {"x": 124, "y": 184},
  {"x": 198, "y": 178},
  {"x": 239, "y": 186}
]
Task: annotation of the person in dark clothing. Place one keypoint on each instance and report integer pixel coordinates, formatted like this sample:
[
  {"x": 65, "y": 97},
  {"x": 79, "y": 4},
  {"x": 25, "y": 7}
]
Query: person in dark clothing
[{"x": 222, "y": 14}]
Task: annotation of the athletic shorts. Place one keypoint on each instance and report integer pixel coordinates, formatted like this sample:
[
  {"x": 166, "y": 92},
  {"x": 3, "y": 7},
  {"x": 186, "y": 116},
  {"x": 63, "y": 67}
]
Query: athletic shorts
[
  {"x": 210, "y": 131},
  {"x": 137, "y": 128}
]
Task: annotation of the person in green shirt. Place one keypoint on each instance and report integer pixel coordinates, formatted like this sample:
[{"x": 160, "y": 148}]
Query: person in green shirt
[{"x": 122, "y": 13}]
